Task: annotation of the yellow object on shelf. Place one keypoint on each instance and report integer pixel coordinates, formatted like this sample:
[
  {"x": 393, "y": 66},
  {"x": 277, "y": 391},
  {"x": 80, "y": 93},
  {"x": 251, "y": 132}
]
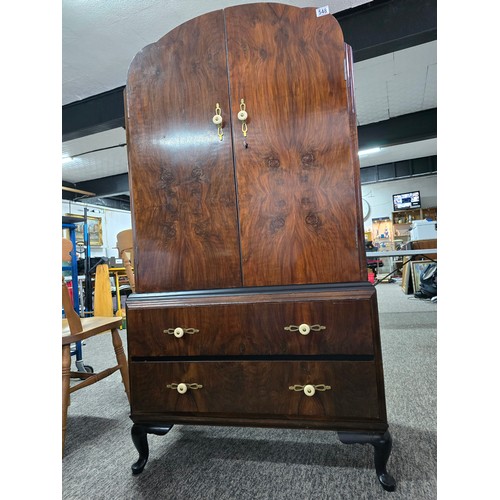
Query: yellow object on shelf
[{"x": 103, "y": 301}]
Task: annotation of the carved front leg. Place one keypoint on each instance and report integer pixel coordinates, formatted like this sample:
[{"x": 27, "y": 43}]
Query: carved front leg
[
  {"x": 140, "y": 439},
  {"x": 382, "y": 444}
]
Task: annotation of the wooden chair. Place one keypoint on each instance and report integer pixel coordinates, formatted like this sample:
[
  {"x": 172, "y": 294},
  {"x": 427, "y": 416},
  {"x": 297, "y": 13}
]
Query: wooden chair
[
  {"x": 76, "y": 329},
  {"x": 125, "y": 245}
]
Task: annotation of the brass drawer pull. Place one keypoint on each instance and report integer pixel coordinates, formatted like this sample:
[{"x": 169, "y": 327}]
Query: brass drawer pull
[
  {"x": 304, "y": 328},
  {"x": 179, "y": 332},
  {"x": 183, "y": 387},
  {"x": 309, "y": 389}
]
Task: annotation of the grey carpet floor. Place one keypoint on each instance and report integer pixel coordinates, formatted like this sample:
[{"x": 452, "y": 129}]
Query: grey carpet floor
[{"x": 232, "y": 463}]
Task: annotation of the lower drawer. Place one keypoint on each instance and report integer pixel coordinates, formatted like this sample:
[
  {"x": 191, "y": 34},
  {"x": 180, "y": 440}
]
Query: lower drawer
[{"x": 345, "y": 390}]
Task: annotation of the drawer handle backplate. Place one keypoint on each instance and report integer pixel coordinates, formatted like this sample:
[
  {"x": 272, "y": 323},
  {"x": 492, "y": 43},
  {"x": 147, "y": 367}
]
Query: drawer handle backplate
[
  {"x": 304, "y": 328},
  {"x": 179, "y": 331},
  {"x": 309, "y": 389},
  {"x": 182, "y": 387}
]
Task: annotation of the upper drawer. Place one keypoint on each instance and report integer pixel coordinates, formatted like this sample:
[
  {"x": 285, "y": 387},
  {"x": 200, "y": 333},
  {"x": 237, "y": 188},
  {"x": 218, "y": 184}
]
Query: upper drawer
[{"x": 258, "y": 328}]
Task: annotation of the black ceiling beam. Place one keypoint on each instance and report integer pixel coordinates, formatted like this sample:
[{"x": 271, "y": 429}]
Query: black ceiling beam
[
  {"x": 112, "y": 191},
  {"x": 106, "y": 186},
  {"x": 381, "y": 27},
  {"x": 372, "y": 29},
  {"x": 94, "y": 114},
  {"x": 121, "y": 202},
  {"x": 399, "y": 130}
]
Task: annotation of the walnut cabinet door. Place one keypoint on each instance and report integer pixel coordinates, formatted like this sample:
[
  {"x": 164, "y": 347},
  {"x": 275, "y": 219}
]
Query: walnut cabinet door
[
  {"x": 271, "y": 201},
  {"x": 296, "y": 171},
  {"x": 181, "y": 174}
]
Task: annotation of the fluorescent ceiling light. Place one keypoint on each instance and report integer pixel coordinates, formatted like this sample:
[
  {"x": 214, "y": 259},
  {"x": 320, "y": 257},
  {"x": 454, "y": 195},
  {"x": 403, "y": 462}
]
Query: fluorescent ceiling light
[{"x": 370, "y": 151}]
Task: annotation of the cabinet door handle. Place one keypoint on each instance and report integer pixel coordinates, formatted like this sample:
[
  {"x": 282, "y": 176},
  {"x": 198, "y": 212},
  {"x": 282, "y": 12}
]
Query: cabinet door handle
[
  {"x": 179, "y": 332},
  {"x": 309, "y": 389},
  {"x": 182, "y": 387},
  {"x": 304, "y": 328},
  {"x": 217, "y": 120},
  {"x": 242, "y": 117}
]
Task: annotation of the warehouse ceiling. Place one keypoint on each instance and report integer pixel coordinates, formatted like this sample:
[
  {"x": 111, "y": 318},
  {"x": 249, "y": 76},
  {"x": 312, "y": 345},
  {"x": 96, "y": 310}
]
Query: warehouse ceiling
[{"x": 395, "y": 74}]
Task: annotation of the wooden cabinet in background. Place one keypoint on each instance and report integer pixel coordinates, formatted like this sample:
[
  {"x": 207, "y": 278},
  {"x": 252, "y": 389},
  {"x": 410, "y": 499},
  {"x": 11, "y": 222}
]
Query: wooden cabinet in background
[
  {"x": 403, "y": 219},
  {"x": 383, "y": 233},
  {"x": 408, "y": 216},
  {"x": 252, "y": 305}
]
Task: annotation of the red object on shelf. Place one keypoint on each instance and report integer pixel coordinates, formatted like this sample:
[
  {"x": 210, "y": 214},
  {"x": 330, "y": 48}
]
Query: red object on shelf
[{"x": 371, "y": 278}]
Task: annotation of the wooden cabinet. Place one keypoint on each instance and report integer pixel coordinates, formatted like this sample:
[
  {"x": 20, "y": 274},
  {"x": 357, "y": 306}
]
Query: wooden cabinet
[{"x": 252, "y": 304}]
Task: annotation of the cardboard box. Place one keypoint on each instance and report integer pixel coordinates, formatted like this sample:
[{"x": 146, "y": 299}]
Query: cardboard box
[{"x": 423, "y": 230}]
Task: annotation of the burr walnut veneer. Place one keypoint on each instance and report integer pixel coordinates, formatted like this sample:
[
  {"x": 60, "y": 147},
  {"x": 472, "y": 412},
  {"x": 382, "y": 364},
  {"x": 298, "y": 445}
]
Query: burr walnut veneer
[{"x": 251, "y": 304}]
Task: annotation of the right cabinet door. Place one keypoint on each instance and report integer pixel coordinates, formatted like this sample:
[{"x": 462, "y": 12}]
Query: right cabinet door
[{"x": 295, "y": 177}]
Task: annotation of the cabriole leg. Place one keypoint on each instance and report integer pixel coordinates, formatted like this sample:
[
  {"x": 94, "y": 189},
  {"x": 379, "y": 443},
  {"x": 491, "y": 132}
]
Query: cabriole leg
[
  {"x": 382, "y": 444},
  {"x": 140, "y": 439}
]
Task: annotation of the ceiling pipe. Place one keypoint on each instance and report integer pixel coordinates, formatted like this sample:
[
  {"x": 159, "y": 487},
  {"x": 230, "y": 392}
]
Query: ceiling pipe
[{"x": 79, "y": 191}]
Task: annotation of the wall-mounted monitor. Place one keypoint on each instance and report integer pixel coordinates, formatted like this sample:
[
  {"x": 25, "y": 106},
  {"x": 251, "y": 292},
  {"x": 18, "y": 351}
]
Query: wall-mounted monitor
[{"x": 406, "y": 201}]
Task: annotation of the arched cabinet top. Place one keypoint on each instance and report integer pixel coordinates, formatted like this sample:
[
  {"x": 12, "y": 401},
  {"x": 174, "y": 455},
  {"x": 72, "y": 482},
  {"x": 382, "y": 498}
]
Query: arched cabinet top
[{"x": 268, "y": 9}]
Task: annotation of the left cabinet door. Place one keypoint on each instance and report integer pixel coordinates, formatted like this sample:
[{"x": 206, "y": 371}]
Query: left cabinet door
[{"x": 181, "y": 173}]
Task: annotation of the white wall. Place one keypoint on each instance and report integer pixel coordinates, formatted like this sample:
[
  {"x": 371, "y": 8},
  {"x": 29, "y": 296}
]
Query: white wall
[
  {"x": 379, "y": 195},
  {"x": 112, "y": 220}
]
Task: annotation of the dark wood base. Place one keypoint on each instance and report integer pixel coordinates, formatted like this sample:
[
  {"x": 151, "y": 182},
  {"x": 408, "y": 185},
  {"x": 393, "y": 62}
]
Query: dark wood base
[
  {"x": 382, "y": 444},
  {"x": 140, "y": 438}
]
